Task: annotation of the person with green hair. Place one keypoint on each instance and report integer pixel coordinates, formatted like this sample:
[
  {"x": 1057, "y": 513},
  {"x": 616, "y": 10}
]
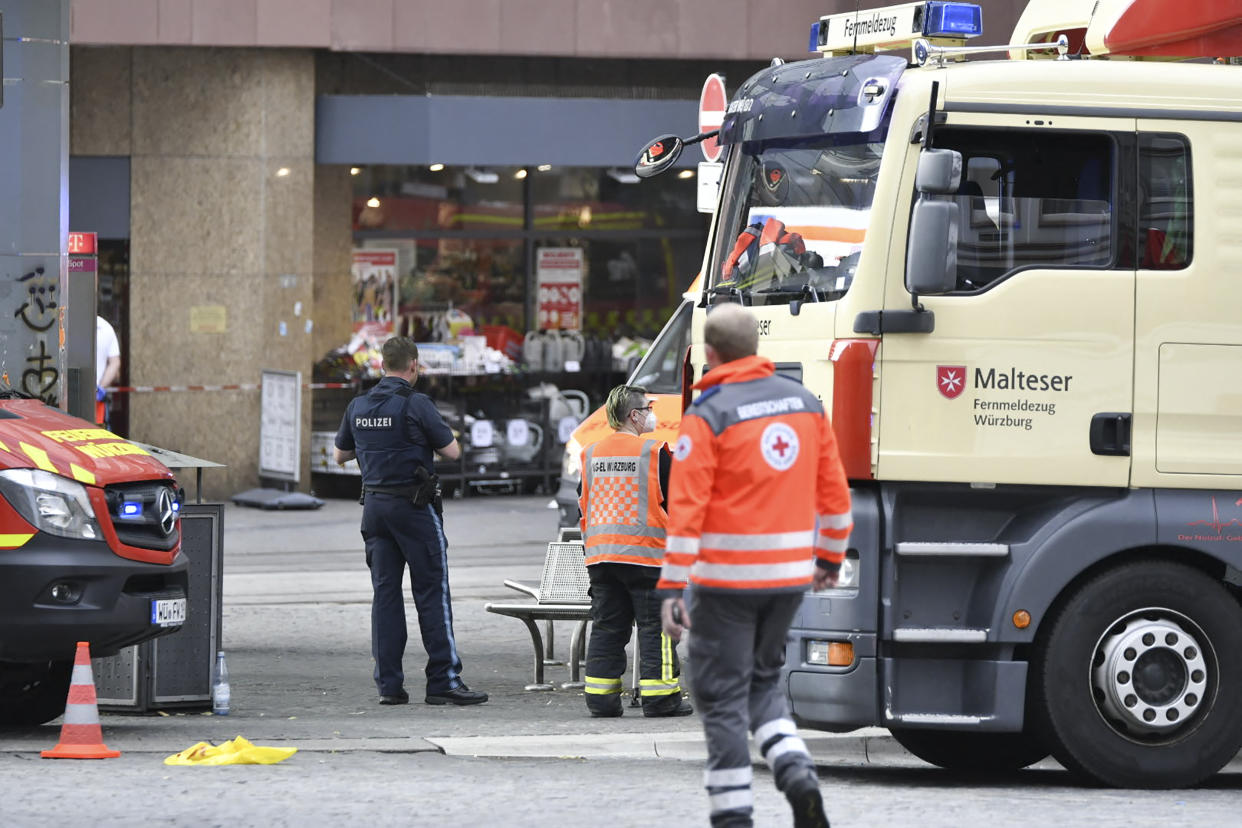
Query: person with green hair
[{"x": 623, "y": 501}]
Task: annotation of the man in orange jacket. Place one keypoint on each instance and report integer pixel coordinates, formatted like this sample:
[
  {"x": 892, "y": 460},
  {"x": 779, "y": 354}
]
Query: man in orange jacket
[
  {"x": 622, "y": 500},
  {"x": 759, "y": 510}
]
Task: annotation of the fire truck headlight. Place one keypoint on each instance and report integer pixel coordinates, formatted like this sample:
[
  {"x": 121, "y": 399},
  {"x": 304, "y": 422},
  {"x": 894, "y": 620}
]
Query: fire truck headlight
[{"x": 50, "y": 503}]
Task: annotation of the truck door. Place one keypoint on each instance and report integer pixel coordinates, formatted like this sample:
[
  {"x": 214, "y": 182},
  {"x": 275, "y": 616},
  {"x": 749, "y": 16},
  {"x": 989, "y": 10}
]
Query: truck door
[
  {"x": 1027, "y": 375},
  {"x": 1188, "y": 413}
]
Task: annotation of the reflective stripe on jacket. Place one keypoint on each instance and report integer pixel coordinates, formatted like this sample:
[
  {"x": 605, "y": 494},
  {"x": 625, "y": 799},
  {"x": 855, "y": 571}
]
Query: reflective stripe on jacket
[
  {"x": 757, "y": 491},
  {"x": 622, "y": 519}
]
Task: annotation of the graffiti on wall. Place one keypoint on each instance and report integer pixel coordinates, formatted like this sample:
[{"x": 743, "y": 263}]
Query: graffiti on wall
[{"x": 38, "y": 312}]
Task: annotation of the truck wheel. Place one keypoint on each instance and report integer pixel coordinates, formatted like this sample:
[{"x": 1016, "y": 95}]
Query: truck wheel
[
  {"x": 965, "y": 750},
  {"x": 31, "y": 694},
  {"x": 1137, "y": 678}
]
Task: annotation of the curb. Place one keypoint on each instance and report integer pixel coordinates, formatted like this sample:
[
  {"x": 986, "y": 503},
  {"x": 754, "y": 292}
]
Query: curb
[{"x": 826, "y": 748}]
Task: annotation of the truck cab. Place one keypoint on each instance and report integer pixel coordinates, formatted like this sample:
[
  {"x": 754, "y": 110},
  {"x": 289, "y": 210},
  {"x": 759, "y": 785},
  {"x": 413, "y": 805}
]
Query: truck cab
[
  {"x": 994, "y": 275},
  {"x": 90, "y": 550}
]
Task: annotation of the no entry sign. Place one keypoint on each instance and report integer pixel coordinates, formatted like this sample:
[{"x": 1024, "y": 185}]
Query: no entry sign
[{"x": 712, "y": 103}]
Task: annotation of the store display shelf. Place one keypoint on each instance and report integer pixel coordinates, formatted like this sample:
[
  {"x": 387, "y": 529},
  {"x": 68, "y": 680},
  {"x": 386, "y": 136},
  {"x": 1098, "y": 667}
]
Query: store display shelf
[{"x": 510, "y": 436}]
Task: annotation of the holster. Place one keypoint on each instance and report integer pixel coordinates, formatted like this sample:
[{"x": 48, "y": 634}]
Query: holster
[{"x": 426, "y": 488}]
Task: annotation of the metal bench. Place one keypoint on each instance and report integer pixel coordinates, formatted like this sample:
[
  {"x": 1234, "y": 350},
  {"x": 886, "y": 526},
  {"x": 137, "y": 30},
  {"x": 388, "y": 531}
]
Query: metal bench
[
  {"x": 560, "y": 596},
  {"x": 565, "y": 534}
]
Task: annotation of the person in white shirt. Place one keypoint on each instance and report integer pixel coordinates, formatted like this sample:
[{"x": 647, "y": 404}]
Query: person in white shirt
[{"x": 107, "y": 365}]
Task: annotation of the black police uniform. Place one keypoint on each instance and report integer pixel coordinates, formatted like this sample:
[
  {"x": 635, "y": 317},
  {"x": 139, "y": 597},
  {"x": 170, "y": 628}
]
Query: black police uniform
[{"x": 394, "y": 431}]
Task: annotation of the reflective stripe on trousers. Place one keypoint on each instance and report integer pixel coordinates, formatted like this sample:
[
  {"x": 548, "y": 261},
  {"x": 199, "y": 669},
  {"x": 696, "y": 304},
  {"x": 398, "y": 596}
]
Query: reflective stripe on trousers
[{"x": 602, "y": 686}]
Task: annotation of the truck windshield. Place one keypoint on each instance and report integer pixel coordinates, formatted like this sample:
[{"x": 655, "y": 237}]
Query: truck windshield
[{"x": 795, "y": 224}]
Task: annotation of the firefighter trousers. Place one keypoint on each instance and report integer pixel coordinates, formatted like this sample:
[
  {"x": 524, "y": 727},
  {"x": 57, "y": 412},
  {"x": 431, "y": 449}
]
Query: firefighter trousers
[
  {"x": 624, "y": 596},
  {"x": 736, "y": 649}
]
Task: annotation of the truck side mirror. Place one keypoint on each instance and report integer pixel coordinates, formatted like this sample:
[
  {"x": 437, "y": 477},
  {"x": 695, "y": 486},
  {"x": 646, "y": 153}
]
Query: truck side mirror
[
  {"x": 940, "y": 172},
  {"x": 658, "y": 156},
  {"x": 931, "y": 251}
]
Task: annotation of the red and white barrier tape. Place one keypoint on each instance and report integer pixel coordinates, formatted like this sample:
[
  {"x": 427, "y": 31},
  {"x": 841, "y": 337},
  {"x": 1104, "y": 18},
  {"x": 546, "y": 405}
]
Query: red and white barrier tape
[{"x": 245, "y": 386}]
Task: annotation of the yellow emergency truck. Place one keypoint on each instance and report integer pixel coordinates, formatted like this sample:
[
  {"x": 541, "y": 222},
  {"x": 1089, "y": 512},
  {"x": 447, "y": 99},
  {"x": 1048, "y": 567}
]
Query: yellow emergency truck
[{"x": 1015, "y": 280}]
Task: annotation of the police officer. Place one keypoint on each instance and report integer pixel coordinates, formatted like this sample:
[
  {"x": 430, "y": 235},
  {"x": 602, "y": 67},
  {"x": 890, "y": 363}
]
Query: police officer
[
  {"x": 624, "y": 480},
  {"x": 393, "y": 431},
  {"x": 759, "y": 510}
]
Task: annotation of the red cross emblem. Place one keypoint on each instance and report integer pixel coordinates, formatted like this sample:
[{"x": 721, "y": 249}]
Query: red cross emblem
[
  {"x": 951, "y": 380},
  {"x": 779, "y": 446}
]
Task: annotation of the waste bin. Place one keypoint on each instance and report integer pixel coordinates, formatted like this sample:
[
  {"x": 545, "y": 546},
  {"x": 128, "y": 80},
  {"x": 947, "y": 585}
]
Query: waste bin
[{"x": 175, "y": 670}]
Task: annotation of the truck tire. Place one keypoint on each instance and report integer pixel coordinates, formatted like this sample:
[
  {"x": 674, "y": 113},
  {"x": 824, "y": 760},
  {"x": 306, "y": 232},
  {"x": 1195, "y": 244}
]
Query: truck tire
[
  {"x": 31, "y": 694},
  {"x": 1137, "y": 676},
  {"x": 968, "y": 750}
]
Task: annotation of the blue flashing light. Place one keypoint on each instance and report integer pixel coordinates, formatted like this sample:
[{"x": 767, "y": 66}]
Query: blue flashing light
[
  {"x": 944, "y": 19},
  {"x": 131, "y": 508},
  {"x": 813, "y": 45},
  {"x": 176, "y": 506}
]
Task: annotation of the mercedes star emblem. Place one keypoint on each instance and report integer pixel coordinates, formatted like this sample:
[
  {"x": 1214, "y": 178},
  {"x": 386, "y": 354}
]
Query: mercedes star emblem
[{"x": 168, "y": 515}]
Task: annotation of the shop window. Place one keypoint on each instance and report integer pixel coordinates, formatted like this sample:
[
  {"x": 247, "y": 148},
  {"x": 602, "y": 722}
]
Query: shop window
[
  {"x": 594, "y": 199},
  {"x": 631, "y": 287},
  {"x": 576, "y": 199},
  {"x": 1031, "y": 199},
  {"x": 1166, "y": 209},
  {"x": 470, "y": 239},
  {"x": 481, "y": 277},
  {"x": 388, "y": 198}
]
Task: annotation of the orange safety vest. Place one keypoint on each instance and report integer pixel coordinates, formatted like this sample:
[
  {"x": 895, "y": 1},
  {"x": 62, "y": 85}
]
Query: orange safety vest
[
  {"x": 751, "y": 241},
  {"x": 757, "y": 492},
  {"x": 622, "y": 519}
]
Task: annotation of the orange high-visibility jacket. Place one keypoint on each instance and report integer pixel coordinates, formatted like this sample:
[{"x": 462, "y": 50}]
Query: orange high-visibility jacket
[
  {"x": 757, "y": 492},
  {"x": 623, "y": 520}
]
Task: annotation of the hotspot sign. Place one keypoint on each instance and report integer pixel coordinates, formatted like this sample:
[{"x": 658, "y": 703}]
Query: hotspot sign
[{"x": 712, "y": 101}]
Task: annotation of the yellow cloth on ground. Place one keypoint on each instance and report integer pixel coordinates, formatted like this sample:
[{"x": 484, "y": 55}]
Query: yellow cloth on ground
[{"x": 239, "y": 751}]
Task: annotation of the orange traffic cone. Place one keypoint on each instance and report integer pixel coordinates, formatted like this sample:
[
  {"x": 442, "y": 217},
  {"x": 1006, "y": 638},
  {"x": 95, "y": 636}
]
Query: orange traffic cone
[{"x": 80, "y": 736}]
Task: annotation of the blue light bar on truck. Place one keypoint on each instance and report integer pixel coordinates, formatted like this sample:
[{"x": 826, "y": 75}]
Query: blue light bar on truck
[
  {"x": 895, "y": 27},
  {"x": 944, "y": 19}
]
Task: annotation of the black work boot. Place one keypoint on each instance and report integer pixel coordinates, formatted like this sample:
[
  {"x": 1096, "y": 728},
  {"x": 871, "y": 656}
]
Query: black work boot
[
  {"x": 670, "y": 707},
  {"x": 599, "y": 709},
  {"x": 732, "y": 819},
  {"x": 806, "y": 801}
]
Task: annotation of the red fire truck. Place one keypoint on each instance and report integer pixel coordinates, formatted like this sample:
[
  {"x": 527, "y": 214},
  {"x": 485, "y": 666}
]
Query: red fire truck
[{"x": 90, "y": 550}]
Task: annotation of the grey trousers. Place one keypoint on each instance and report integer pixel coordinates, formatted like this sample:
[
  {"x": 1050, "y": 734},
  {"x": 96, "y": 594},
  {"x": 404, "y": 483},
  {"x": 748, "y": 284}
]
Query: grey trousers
[{"x": 736, "y": 649}]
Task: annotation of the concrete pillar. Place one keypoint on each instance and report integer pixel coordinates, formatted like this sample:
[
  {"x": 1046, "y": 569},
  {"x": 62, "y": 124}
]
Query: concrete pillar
[
  {"x": 222, "y": 189},
  {"x": 34, "y": 200}
]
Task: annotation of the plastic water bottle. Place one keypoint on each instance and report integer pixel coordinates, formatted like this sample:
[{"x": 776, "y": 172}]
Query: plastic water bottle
[{"x": 220, "y": 687}]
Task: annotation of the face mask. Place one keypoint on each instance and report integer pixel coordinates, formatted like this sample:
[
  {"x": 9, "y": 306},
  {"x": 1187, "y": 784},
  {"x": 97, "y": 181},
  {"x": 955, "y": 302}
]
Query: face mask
[{"x": 649, "y": 424}]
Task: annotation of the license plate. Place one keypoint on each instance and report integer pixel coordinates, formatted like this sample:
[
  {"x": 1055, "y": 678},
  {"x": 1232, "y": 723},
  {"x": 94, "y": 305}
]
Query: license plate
[{"x": 168, "y": 612}]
